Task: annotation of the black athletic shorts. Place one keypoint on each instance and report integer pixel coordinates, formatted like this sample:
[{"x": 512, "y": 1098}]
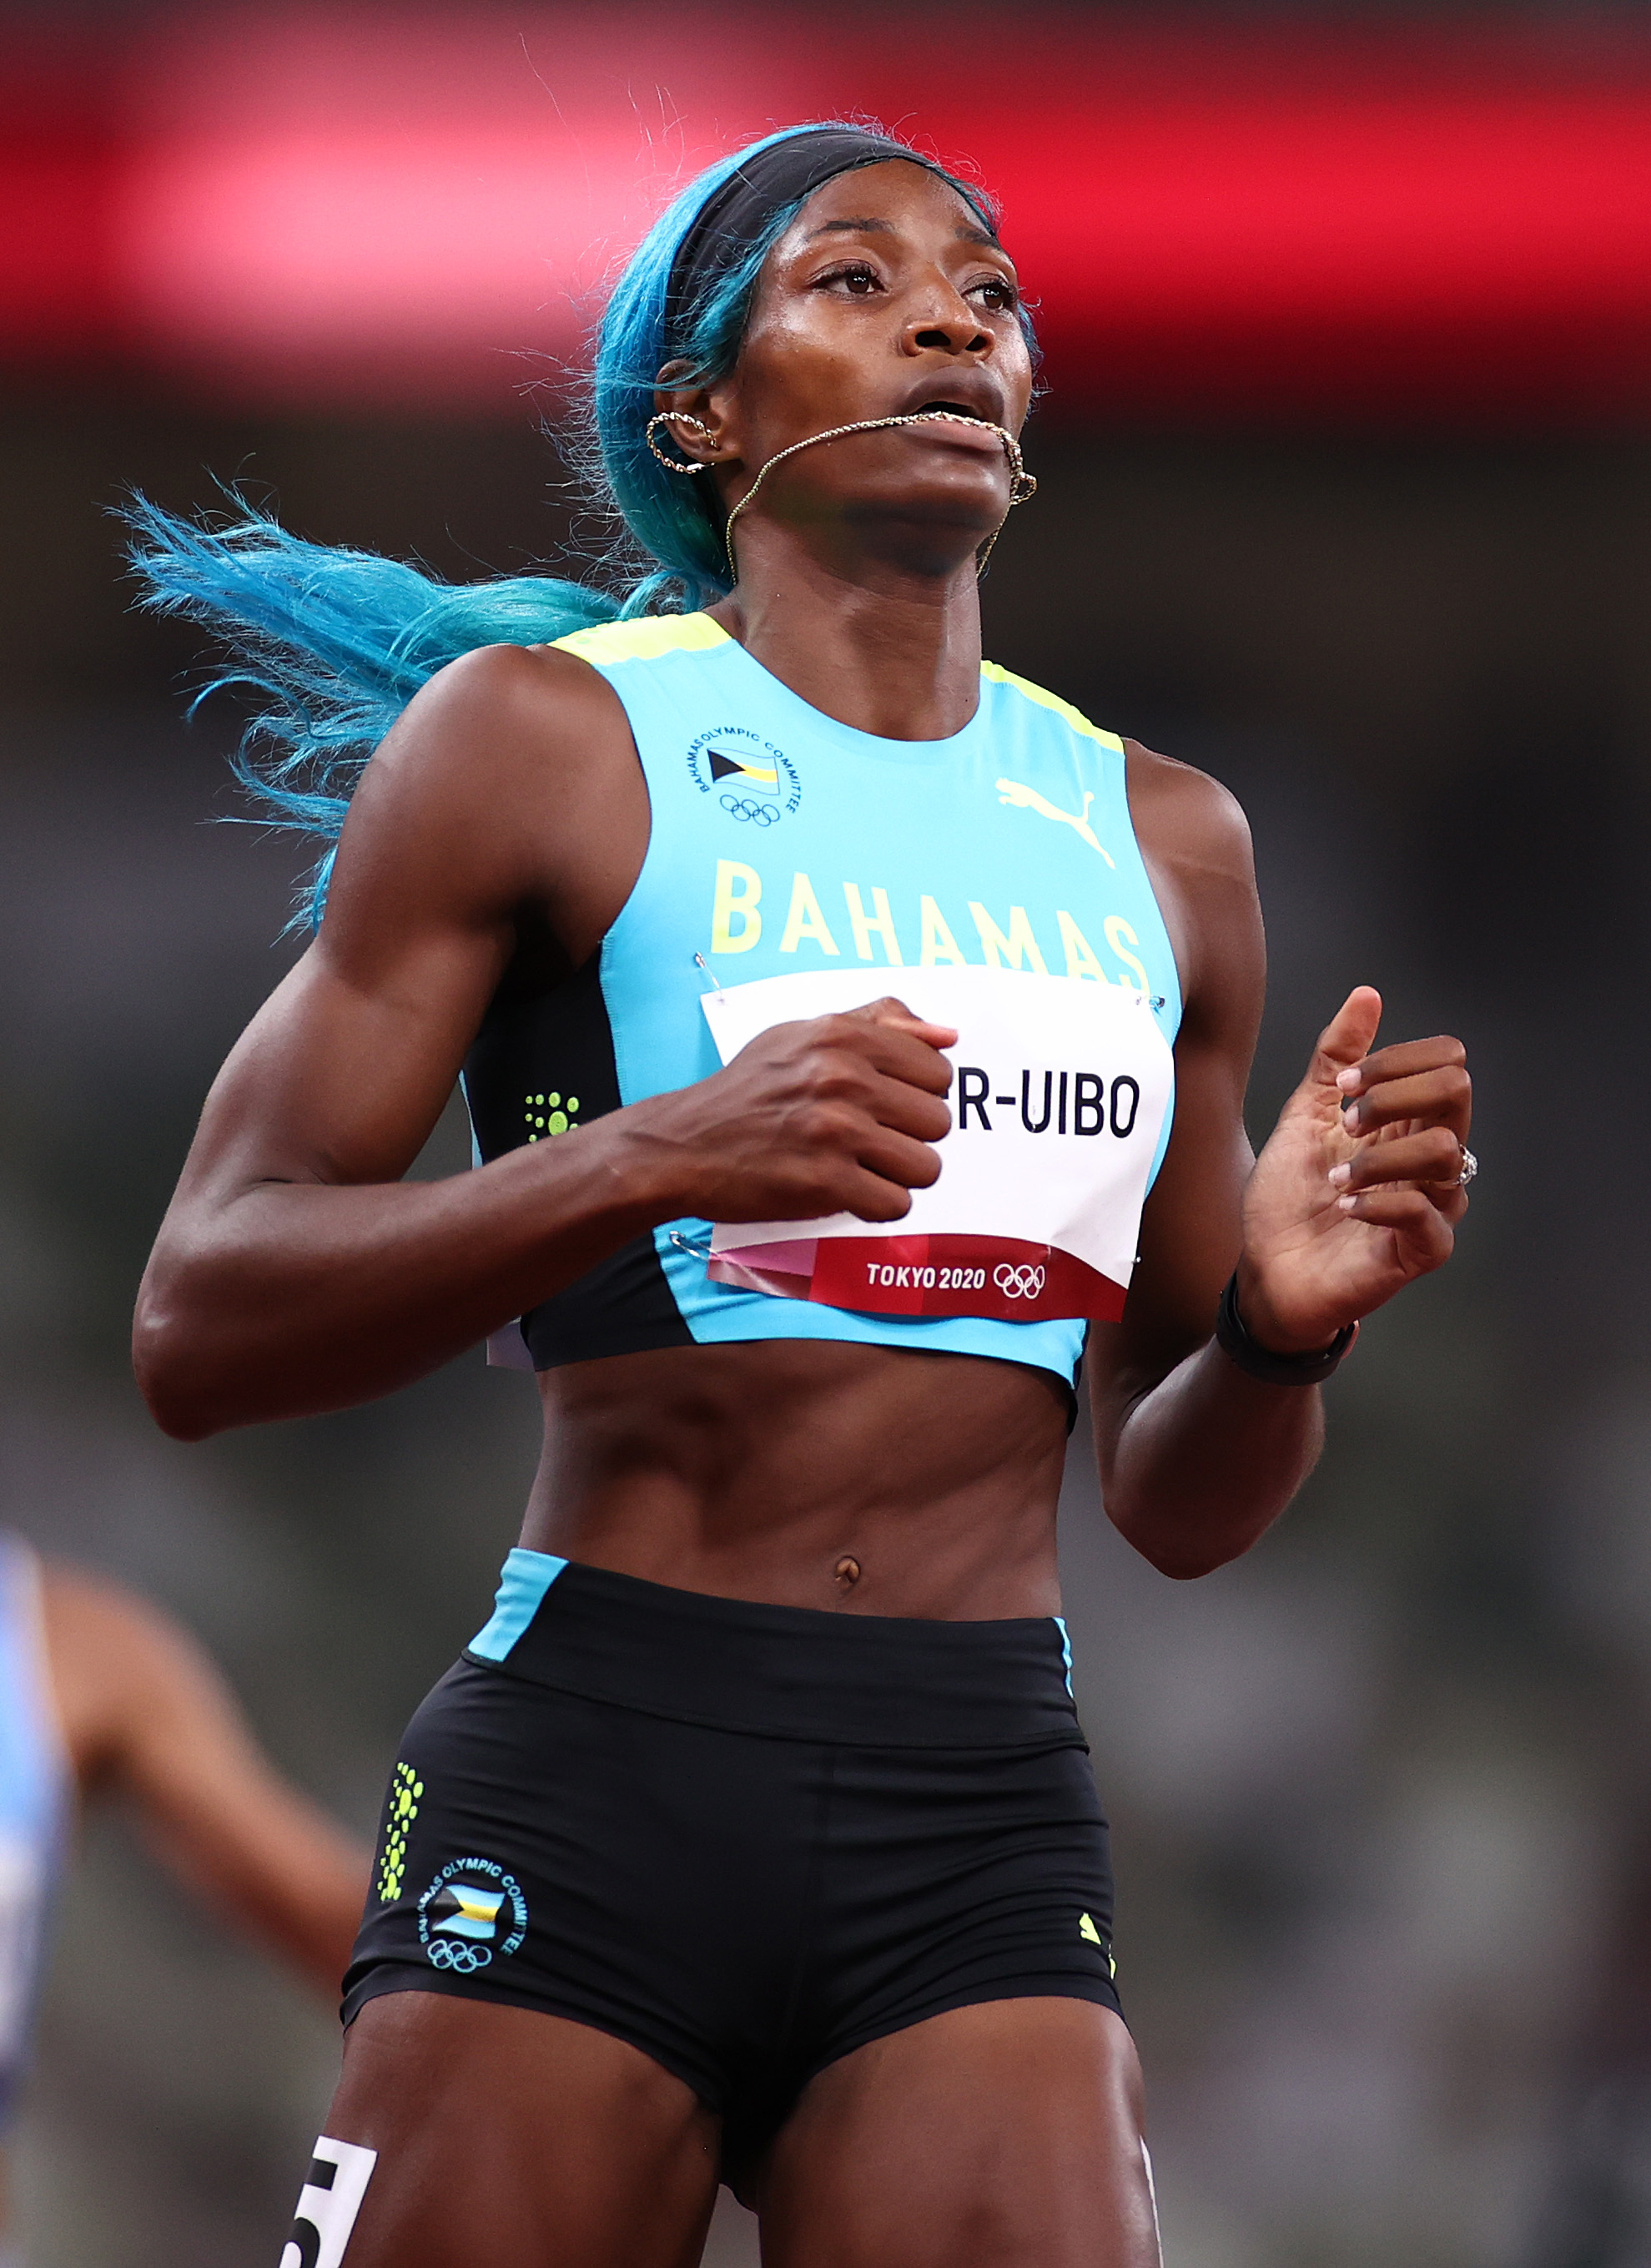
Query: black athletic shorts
[{"x": 745, "y": 1838}]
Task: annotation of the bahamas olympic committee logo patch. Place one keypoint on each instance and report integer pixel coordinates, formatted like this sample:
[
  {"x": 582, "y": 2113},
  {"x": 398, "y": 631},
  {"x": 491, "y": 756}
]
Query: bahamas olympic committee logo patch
[
  {"x": 473, "y": 1910},
  {"x": 755, "y": 782}
]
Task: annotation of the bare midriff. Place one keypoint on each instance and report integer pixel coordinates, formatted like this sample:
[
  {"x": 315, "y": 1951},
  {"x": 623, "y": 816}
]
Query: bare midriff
[{"x": 869, "y": 1479}]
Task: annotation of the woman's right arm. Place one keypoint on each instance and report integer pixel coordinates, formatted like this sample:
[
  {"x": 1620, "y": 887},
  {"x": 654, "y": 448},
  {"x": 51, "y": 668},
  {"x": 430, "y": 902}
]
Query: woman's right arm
[{"x": 295, "y": 1272}]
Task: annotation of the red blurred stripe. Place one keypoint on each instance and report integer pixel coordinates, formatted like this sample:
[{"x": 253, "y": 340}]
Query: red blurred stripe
[
  {"x": 300, "y": 206},
  {"x": 56, "y": 279},
  {"x": 1446, "y": 251}
]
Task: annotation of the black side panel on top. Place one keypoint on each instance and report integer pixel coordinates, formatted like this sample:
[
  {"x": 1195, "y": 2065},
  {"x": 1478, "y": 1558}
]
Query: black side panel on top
[{"x": 539, "y": 1068}]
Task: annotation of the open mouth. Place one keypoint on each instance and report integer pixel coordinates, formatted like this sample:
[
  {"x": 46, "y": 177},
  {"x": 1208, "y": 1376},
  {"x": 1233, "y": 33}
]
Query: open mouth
[{"x": 943, "y": 409}]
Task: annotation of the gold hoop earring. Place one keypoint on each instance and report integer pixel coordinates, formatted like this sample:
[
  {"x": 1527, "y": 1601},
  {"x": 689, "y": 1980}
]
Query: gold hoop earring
[{"x": 669, "y": 417}]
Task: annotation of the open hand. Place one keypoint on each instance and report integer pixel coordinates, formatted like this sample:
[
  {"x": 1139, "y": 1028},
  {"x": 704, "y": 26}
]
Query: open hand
[{"x": 1358, "y": 1189}]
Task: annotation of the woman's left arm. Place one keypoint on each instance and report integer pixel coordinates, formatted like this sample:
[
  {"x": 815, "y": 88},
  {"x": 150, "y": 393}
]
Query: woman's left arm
[{"x": 1357, "y": 1192}]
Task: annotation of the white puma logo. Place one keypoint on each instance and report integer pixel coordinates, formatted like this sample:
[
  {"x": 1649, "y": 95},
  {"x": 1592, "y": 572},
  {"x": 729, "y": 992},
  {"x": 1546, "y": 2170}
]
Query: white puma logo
[{"x": 1027, "y": 799}]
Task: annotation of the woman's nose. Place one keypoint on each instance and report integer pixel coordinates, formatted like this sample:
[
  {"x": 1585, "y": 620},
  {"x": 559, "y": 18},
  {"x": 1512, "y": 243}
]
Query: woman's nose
[{"x": 951, "y": 330}]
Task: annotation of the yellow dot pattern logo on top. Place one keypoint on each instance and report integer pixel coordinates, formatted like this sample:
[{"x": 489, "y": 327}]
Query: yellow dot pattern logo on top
[{"x": 406, "y": 1789}]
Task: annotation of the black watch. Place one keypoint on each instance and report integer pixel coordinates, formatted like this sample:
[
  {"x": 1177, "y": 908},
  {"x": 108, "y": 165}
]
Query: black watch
[{"x": 1232, "y": 1336}]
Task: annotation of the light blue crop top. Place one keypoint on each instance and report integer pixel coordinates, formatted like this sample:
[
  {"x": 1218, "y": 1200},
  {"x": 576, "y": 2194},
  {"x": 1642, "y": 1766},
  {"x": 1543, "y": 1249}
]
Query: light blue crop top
[{"x": 783, "y": 841}]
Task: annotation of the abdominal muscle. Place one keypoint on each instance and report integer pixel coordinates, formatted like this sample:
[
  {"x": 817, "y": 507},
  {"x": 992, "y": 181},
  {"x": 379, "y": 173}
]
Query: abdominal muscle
[{"x": 802, "y": 1473}]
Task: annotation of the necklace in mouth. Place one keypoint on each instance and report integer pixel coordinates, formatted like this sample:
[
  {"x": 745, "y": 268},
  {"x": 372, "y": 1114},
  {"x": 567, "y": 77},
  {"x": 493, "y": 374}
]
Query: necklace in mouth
[{"x": 1022, "y": 483}]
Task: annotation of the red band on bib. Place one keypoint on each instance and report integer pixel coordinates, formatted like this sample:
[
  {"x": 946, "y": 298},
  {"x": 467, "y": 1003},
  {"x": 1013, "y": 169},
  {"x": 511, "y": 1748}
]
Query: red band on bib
[{"x": 1000, "y": 1277}]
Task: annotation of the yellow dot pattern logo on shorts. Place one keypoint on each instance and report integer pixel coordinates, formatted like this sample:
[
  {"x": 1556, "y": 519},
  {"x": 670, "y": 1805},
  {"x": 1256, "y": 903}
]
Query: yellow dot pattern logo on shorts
[
  {"x": 549, "y": 1114},
  {"x": 406, "y": 1788}
]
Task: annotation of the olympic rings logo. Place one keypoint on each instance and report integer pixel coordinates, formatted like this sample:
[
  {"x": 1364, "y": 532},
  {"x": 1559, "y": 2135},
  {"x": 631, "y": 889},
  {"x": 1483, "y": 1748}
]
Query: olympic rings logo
[
  {"x": 1022, "y": 1282},
  {"x": 764, "y": 815},
  {"x": 465, "y": 1958}
]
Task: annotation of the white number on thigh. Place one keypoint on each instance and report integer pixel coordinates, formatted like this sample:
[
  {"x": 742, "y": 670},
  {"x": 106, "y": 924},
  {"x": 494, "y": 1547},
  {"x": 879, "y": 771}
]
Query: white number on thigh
[
  {"x": 1152, "y": 2191},
  {"x": 327, "y": 2203}
]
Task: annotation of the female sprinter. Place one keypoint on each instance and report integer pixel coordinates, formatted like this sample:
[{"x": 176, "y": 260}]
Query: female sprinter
[{"x": 754, "y": 1834}]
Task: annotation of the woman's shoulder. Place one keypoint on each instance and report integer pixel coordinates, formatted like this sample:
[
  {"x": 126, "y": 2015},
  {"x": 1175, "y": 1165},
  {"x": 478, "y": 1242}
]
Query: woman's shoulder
[
  {"x": 496, "y": 709},
  {"x": 506, "y": 777},
  {"x": 1186, "y": 818},
  {"x": 558, "y": 689},
  {"x": 495, "y": 681}
]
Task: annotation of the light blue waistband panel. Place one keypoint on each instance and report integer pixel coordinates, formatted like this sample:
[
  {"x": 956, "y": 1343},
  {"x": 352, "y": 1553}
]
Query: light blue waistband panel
[
  {"x": 1059, "y": 1622},
  {"x": 524, "y": 1580}
]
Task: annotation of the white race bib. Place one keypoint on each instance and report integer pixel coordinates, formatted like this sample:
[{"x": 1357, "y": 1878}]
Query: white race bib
[{"x": 1059, "y": 1095}]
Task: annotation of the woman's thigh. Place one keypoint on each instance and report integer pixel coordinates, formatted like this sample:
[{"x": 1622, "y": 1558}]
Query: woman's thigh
[
  {"x": 506, "y": 2136},
  {"x": 1006, "y": 2134}
]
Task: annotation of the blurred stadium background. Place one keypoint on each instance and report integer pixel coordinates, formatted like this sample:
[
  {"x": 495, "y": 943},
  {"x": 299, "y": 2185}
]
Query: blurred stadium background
[{"x": 1345, "y": 496}]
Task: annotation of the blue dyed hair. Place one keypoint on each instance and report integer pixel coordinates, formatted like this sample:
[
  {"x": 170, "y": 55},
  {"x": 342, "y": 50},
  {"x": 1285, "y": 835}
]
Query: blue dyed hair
[{"x": 336, "y": 642}]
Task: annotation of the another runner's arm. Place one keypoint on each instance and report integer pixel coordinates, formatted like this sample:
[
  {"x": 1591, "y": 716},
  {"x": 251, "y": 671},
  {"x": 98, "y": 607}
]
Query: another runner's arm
[
  {"x": 295, "y": 1272},
  {"x": 146, "y": 1716}
]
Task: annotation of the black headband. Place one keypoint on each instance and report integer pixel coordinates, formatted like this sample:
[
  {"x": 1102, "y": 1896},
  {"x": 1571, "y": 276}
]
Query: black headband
[{"x": 735, "y": 216}]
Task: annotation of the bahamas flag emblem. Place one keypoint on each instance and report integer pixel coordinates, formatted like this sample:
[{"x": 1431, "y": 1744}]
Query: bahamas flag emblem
[
  {"x": 467, "y": 1909},
  {"x": 472, "y": 1912},
  {"x": 760, "y": 775},
  {"x": 752, "y": 778}
]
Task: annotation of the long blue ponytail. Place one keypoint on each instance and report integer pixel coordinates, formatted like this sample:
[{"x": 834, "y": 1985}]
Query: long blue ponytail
[{"x": 335, "y": 642}]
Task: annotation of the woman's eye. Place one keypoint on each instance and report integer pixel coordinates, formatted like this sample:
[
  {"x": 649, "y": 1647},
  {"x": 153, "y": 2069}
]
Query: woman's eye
[
  {"x": 997, "y": 291},
  {"x": 858, "y": 278}
]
